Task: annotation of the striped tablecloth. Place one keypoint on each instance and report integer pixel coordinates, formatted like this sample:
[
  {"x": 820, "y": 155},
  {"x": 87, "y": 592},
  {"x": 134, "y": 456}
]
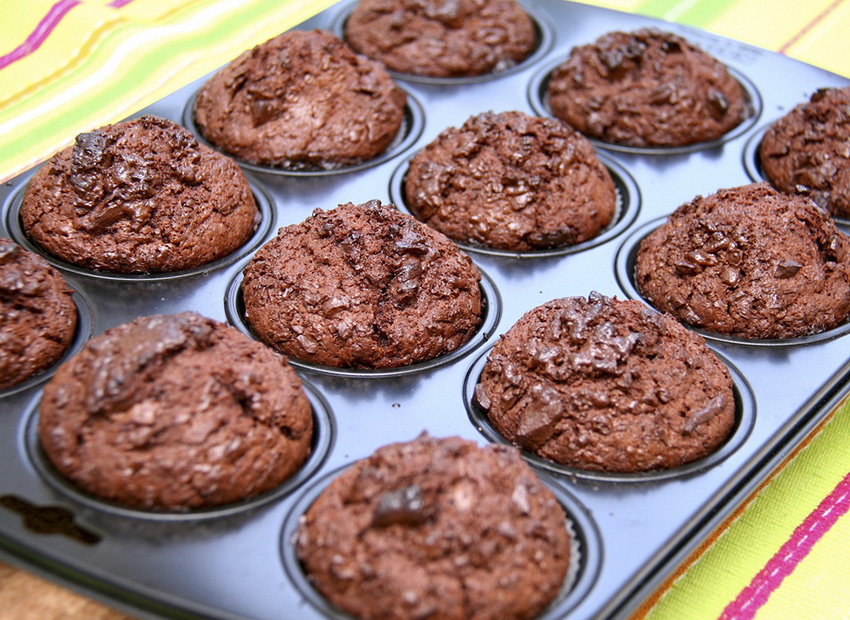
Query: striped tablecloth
[{"x": 67, "y": 66}]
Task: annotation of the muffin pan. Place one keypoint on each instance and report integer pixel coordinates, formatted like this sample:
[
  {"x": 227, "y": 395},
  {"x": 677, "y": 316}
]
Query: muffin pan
[{"x": 632, "y": 530}]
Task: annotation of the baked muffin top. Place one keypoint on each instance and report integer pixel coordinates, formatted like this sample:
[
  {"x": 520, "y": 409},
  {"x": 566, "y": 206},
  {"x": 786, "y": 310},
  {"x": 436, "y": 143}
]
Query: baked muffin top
[
  {"x": 749, "y": 262},
  {"x": 141, "y": 196},
  {"x": 362, "y": 286},
  {"x": 646, "y": 88}
]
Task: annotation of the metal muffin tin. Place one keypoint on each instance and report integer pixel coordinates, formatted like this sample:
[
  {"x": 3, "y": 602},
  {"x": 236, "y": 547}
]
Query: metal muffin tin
[{"x": 633, "y": 530}]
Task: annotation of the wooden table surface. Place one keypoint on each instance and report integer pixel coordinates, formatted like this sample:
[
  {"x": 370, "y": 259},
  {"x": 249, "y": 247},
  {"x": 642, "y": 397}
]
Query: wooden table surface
[{"x": 24, "y": 596}]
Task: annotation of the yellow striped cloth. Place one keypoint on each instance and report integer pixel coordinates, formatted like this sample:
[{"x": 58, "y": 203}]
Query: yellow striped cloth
[
  {"x": 67, "y": 66},
  {"x": 783, "y": 554}
]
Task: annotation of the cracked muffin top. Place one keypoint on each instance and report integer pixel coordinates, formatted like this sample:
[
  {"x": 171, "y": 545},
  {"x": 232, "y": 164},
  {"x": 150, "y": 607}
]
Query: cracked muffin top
[
  {"x": 362, "y": 286},
  {"x": 302, "y": 100},
  {"x": 646, "y": 89},
  {"x": 749, "y": 262},
  {"x": 442, "y": 38},
  {"x": 437, "y": 528},
  {"x": 609, "y": 385},
  {"x": 141, "y": 196},
  {"x": 175, "y": 412}
]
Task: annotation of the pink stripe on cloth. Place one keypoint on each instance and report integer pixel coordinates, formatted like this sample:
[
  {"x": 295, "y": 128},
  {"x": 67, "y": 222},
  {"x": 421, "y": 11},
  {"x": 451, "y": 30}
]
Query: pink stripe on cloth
[
  {"x": 781, "y": 565},
  {"x": 805, "y": 30},
  {"x": 41, "y": 32},
  {"x": 117, "y": 4}
]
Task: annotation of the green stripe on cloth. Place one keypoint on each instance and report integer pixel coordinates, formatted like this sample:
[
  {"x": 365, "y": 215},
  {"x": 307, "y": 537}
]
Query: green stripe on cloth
[
  {"x": 739, "y": 553},
  {"x": 697, "y": 13}
]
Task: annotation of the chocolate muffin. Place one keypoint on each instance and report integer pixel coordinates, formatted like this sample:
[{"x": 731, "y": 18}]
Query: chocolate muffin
[
  {"x": 362, "y": 286},
  {"x": 436, "y": 528},
  {"x": 749, "y": 262},
  {"x": 806, "y": 151},
  {"x": 607, "y": 385},
  {"x": 38, "y": 318},
  {"x": 302, "y": 100},
  {"x": 646, "y": 89},
  {"x": 175, "y": 413},
  {"x": 142, "y": 196},
  {"x": 442, "y": 38},
  {"x": 511, "y": 181}
]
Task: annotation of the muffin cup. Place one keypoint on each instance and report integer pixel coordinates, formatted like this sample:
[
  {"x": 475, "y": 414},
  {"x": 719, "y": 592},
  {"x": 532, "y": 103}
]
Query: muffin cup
[
  {"x": 539, "y": 99},
  {"x": 625, "y": 271},
  {"x": 745, "y": 411},
  {"x": 586, "y": 552},
  {"x": 411, "y": 128},
  {"x": 265, "y": 205},
  {"x": 324, "y": 432},
  {"x": 490, "y": 315},
  {"x": 84, "y": 331},
  {"x": 544, "y": 31},
  {"x": 627, "y": 208},
  {"x": 752, "y": 164}
]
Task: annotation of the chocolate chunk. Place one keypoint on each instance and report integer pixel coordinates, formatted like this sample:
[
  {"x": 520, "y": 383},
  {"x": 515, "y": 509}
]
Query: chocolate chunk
[{"x": 403, "y": 507}]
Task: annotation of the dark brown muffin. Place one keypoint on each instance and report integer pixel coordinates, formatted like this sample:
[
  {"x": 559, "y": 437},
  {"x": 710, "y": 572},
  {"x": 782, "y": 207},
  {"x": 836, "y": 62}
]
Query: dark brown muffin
[
  {"x": 436, "y": 528},
  {"x": 511, "y": 181},
  {"x": 142, "y": 196},
  {"x": 607, "y": 385},
  {"x": 442, "y": 38},
  {"x": 646, "y": 89},
  {"x": 38, "y": 318},
  {"x": 301, "y": 100},
  {"x": 175, "y": 412},
  {"x": 806, "y": 151},
  {"x": 362, "y": 286},
  {"x": 750, "y": 262}
]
